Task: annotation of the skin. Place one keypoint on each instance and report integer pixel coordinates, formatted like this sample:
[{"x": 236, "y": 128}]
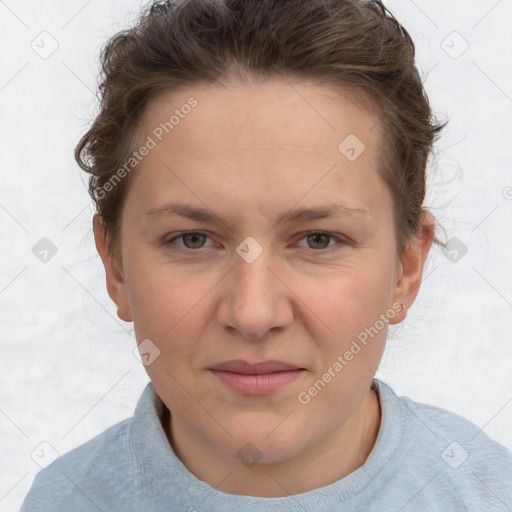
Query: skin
[{"x": 249, "y": 151}]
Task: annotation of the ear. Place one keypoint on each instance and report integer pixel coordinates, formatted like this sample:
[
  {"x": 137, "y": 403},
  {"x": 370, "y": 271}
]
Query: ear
[
  {"x": 412, "y": 264},
  {"x": 116, "y": 285}
]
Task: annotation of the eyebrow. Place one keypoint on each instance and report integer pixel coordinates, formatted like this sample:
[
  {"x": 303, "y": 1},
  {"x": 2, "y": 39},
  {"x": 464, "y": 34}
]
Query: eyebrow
[{"x": 288, "y": 216}]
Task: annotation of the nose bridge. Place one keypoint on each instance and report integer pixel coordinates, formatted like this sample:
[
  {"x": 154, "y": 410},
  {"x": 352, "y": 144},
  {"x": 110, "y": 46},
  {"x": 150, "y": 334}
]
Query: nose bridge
[
  {"x": 255, "y": 299},
  {"x": 252, "y": 278}
]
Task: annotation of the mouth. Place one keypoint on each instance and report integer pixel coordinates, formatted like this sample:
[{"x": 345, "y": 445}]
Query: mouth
[{"x": 257, "y": 378}]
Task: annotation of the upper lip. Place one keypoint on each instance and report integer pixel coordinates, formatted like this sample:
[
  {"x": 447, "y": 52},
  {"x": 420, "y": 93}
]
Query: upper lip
[{"x": 240, "y": 366}]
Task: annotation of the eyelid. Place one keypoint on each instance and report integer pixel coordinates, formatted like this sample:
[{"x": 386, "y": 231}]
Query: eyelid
[{"x": 340, "y": 239}]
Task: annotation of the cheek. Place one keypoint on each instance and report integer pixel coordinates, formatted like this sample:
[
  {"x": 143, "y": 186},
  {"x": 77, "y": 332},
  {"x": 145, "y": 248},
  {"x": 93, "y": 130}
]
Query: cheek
[
  {"x": 165, "y": 310},
  {"x": 354, "y": 297},
  {"x": 160, "y": 296},
  {"x": 349, "y": 310},
  {"x": 171, "y": 309},
  {"x": 352, "y": 347}
]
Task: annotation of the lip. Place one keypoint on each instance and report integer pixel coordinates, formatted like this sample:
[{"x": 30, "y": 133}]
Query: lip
[
  {"x": 257, "y": 378},
  {"x": 243, "y": 367}
]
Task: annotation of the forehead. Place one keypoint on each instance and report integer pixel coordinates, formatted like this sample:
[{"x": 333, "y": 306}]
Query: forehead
[
  {"x": 271, "y": 110},
  {"x": 273, "y": 136}
]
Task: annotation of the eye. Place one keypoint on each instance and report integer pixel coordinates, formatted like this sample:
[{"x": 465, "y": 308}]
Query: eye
[
  {"x": 319, "y": 240},
  {"x": 191, "y": 240}
]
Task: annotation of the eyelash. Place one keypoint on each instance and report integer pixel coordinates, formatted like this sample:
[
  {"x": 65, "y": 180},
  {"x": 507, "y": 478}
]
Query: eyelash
[{"x": 341, "y": 241}]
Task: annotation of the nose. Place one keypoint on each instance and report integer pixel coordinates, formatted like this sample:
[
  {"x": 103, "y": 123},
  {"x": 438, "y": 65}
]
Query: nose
[{"x": 255, "y": 301}]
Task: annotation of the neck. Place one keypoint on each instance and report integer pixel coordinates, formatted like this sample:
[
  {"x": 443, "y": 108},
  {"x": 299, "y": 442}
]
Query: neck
[{"x": 332, "y": 458}]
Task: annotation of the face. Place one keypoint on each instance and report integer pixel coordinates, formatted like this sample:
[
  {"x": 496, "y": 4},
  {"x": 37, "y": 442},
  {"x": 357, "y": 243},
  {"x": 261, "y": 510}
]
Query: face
[{"x": 279, "y": 247}]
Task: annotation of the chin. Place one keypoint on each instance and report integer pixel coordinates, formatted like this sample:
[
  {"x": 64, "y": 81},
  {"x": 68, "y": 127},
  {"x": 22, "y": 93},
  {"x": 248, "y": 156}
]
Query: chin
[{"x": 265, "y": 442}]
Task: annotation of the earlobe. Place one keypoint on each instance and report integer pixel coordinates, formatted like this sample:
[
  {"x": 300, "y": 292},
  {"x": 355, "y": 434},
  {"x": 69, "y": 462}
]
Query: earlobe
[
  {"x": 116, "y": 286},
  {"x": 412, "y": 264}
]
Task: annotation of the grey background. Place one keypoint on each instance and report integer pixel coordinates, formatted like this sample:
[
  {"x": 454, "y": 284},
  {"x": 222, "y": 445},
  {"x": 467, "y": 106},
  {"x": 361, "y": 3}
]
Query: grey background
[{"x": 67, "y": 370}]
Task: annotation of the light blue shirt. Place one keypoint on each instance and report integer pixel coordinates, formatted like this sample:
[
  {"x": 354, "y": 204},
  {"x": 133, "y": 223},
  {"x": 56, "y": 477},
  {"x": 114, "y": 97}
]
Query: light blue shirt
[{"x": 425, "y": 458}]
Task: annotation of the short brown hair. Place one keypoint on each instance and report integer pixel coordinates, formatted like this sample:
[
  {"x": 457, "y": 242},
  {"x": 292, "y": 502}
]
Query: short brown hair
[{"x": 346, "y": 43}]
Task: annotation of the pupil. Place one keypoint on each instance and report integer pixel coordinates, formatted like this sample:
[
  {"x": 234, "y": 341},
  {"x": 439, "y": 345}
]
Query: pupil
[
  {"x": 193, "y": 236},
  {"x": 315, "y": 237}
]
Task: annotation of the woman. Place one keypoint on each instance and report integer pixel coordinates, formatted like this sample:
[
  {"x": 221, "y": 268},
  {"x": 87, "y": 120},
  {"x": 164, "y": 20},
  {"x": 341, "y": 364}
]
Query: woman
[{"x": 258, "y": 169}]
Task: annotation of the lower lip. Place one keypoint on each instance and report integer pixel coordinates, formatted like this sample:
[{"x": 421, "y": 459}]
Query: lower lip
[{"x": 257, "y": 384}]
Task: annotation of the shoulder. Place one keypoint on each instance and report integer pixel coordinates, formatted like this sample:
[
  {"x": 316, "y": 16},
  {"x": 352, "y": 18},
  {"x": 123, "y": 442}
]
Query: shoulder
[
  {"x": 90, "y": 470},
  {"x": 459, "y": 457},
  {"x": 445, "y": 426}
]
